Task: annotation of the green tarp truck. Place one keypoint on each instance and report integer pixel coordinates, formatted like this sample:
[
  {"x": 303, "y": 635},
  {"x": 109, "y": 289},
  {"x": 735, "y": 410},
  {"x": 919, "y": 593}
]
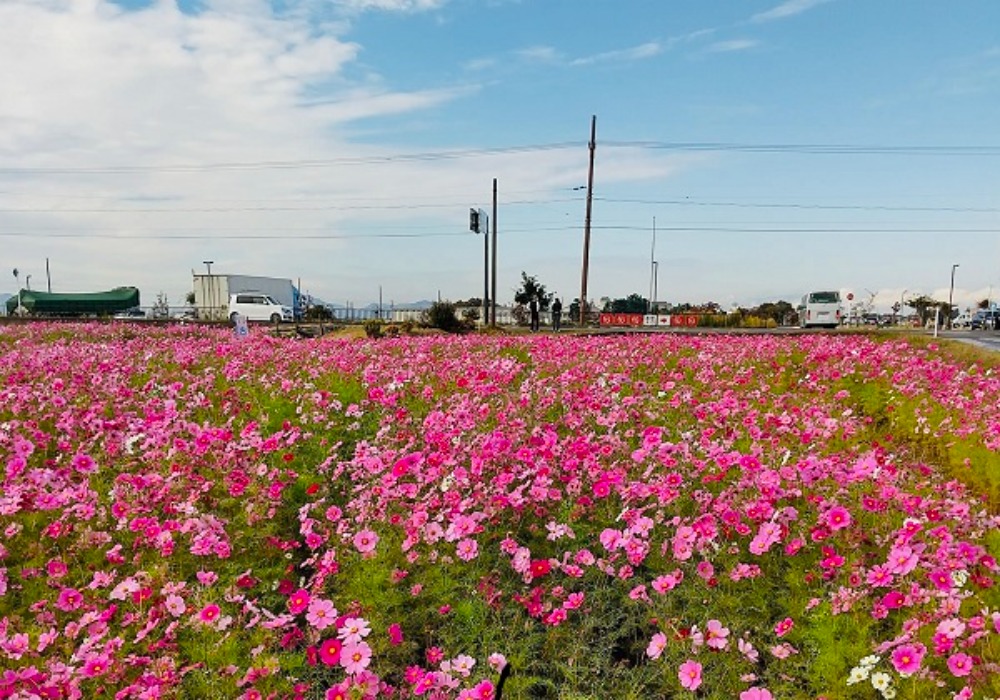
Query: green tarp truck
[{"x": 82, "y": 304}]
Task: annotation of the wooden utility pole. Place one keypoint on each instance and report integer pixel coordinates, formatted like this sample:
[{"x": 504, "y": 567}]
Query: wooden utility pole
[{"x": 586, "y": 223}]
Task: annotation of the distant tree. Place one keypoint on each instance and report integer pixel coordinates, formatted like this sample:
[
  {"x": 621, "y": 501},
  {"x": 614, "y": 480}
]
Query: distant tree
[
  {"x": 632, "y": 304},
  {"x": 924, "y": 306},
  {"x": 574, "y": 310},
  {"x": 781, "y": 311},
  {"x": 189, "y": 298},
  {"x": 983, "y": 304},
  {"x": 441, "y": 314},
  {"x": 530, "y": 289}
]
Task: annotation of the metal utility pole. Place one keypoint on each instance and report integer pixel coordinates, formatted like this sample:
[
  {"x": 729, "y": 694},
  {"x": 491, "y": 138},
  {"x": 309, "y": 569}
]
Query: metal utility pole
[
  {"x": 652, "y": 272},
  {"x": 493, "y": 293},
  {"x": 479, "y": 222},
  {"x": 48, "y": 275},
  {"x": 586, "y": 223},
  {"x": 951, "y": 293}
]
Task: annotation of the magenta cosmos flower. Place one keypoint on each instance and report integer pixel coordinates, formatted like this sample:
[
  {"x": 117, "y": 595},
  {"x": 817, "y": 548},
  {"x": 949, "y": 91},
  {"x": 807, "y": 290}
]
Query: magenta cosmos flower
[
  {"x": 298, "y": 601},
  {"x": 960, "y": 664},
  {"x": 756, "y": 694},
  {"x": 209, "y": 613},
  {"x": 689, "y": 674},
  {"x": 908, "y": 657}
]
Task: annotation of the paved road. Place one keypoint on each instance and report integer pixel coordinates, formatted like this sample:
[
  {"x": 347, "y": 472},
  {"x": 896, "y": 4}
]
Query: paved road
[{"x": 989, "y": 340}]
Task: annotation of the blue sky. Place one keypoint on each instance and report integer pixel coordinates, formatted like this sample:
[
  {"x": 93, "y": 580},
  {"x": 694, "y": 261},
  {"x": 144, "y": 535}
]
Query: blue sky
[{"x": 341, "y": 143}]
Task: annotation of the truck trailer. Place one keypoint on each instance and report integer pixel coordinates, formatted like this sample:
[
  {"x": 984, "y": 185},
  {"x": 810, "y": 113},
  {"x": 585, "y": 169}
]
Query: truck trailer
[{"x": 212, "y": 292}]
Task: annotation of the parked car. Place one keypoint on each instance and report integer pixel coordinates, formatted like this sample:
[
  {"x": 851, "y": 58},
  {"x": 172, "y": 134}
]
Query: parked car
[
  {"x": 130, "y": 315},
  {"x": 254, "y": 306},
  {"x": 986, "y": 319},
  {"x": 963, "y": 320}
]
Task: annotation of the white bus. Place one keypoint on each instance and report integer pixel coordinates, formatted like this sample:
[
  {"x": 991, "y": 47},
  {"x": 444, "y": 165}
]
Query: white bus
[{"x": 820, "y": 309}]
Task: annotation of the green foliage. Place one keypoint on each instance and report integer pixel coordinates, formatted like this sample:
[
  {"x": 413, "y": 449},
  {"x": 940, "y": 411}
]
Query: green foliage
[
  {"x": 441, "y": 314},
  {"x": 373, "y": 327},
  {"x": 530, "y": 289}
]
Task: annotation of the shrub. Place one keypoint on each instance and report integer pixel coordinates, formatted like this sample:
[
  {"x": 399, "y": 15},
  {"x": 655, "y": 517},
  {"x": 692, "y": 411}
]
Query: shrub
[
  {"x": 441, "y": 314},
  {"x": 373, "y": 327}
]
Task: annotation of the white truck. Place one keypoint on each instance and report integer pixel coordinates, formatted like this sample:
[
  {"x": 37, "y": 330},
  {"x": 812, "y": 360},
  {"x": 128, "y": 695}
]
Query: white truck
[{"x": 213, "y": 293}]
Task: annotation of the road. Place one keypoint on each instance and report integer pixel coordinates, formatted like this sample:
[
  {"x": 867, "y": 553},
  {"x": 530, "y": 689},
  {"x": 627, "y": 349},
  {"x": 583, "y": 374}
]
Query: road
[{"x": 989, "y": 340}]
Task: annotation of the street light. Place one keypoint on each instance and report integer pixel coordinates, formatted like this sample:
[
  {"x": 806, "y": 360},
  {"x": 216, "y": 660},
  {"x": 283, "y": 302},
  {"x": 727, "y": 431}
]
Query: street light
[
  {"x": 18, "y": 285},
  {"x": 951, "y": 293}
]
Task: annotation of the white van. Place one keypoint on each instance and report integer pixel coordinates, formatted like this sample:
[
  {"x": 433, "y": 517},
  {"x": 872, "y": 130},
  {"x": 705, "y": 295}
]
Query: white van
[
  {"x": 254, "y": 306},
  {"x": 820, "y": 309}
]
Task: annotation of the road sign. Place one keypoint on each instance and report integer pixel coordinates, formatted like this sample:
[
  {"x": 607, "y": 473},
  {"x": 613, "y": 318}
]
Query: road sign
[{"x": 850, "y": 296}]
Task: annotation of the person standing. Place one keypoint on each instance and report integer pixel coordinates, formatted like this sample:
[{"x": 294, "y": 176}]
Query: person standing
[
  {"x": 556, "y": 315},
  {"x": 533, "y": 310}
]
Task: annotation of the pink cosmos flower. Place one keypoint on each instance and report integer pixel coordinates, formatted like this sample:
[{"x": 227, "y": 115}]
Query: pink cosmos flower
[
  {"x": 837, "y": 518},
  {"x": 174, "y": 605},
  {"x": 395, "y": 634},
  {"x": 365, "y": 541},
  {"x": 902, "y": 560},
  {"x": 496, "y": 661},
  {"x": 705, "y": 570},
  {"x": 96, "y": 665},
  {"x": 321, "y": 613},
  {"x": 756, "y": 694},
  {"x": 338, "y": 692},
  {"x": 329, "y": 651},
  {"x": 907, "y": 658},
  {"x": 353, "y": 630},
  {"x": 467, "y": 549},
  {"x": 941, "y": 579},
  {"x": 716, "y": 636},
  {"x": 355, "y": 657},
  {"x": 656, "y": 645},
  {"x": 298, "y": 601},
  {"x": 689, "y": 674},
  {"x": 879, "y": 576},
  {"x": 69, "y": 599},
  {"x": 960, "y": 664},
  {"x": 783, "y": 627},
  {"x": 84, "y": 464},
  {"x": 209, "y": 613}
]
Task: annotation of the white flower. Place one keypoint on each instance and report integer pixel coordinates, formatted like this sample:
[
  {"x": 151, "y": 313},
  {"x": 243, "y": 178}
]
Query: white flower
[
  {"x": 869, "y": 661},
  {"x": 858, "y": 674},
  {"x": 881, "y": 681},
  {"x": 889, "y": 693}
]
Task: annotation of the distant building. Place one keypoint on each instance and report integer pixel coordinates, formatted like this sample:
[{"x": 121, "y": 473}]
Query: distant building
[{"x": 211, "y": 292}]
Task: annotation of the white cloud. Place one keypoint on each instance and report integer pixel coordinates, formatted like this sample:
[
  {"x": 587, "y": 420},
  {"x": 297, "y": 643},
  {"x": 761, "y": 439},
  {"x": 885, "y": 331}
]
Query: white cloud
[
  {"x": 789, "y": 8},
  {"x": 539, "y": 54},
  {"x": 392, "y": 5},
  {"x": 635, "y": 53},
  {"x": 732, "y": 45},
  {"x": 99, "y": 87}
]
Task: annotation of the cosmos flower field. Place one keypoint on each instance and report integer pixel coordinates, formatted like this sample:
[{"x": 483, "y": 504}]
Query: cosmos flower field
[{"x": 185, "y": 514}]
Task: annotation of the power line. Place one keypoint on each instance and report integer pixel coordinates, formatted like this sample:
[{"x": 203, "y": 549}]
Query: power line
[
  {"x": 511, "y": 230},
  {"x": 815, "y": 148},
  {"x": 290, "y": 164},
  {"x": 830, "y": 207},
  {"x": 217, "y": 210},
  {"x": 800, "y": 148}
]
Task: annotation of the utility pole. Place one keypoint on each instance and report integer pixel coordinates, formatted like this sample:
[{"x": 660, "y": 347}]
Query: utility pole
[
  {"x": 586, "y": 223},
  {"x": 493, "y": 293},
  {"x": 479, "y": 222},
  {"x": 48, "y": 275},
  {"x": 652, "y": 272}
]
